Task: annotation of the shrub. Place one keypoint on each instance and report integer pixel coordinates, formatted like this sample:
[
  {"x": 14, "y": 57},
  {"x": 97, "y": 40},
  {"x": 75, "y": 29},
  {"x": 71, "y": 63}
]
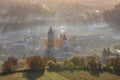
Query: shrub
[{"x": 10, "y": 64}]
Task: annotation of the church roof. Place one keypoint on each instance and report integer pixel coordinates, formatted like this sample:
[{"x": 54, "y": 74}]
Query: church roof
[{"x": 64, "y": 37}]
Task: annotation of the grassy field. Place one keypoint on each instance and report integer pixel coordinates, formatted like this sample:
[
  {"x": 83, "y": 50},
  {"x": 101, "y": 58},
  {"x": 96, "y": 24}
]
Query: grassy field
[{"x": 62, "y": 75}]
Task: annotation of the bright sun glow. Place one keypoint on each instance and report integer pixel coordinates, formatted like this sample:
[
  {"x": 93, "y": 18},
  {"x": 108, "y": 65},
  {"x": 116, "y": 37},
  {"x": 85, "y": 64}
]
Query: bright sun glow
[{"x": 62, "y": 29}]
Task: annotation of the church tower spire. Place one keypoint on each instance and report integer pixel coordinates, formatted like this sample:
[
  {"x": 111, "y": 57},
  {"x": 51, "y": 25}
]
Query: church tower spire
[{"x": 50, "y": 42}]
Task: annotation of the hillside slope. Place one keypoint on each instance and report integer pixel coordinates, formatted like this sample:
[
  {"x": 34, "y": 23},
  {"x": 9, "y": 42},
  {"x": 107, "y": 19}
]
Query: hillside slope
[{"x": 62, "y": 75}]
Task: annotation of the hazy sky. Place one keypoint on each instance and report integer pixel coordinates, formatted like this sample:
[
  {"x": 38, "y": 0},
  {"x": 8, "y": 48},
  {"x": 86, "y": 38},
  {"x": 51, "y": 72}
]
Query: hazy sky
[{"x": 103, "y": 4}]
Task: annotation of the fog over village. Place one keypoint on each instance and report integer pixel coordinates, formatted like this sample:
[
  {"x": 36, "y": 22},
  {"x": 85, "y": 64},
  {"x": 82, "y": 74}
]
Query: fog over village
[
  {"x": 26, "y": 23},
  {"x": 61, "y": 29}
]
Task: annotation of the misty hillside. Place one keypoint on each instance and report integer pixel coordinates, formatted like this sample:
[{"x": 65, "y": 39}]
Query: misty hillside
[
  {"x": 112, "y": 17},
  {"x": 18, "y": 14}
]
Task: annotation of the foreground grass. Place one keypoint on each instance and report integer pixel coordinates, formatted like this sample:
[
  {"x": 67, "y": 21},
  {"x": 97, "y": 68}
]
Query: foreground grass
[
  {"x": 62, "y": 75},
  {"x": 86, "y": 75}
]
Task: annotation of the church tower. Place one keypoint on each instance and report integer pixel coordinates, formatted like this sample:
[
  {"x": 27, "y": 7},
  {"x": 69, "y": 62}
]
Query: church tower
[{"x": 50, "y": 51}]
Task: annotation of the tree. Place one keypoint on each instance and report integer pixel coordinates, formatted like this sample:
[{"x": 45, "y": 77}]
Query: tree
[
  {"x": 10, "y": 65},
  {"x": 78, "y": 61},
  {"x": 58, "y": 65},
  {"x": 91, "y": 63},
  {"x": 21, "y": 63},
  {"x": 51, "y": 64},
  {"x": 55, "y": 65},
  {"x": 114, "y": 64},
  {"x": 36, "y": 63},
  {"x": 105, "y": 66},
  {"x": 99, "y": 66},
  {"x": 70, "y": 65},
  {"x": 53, "y": 59}
]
